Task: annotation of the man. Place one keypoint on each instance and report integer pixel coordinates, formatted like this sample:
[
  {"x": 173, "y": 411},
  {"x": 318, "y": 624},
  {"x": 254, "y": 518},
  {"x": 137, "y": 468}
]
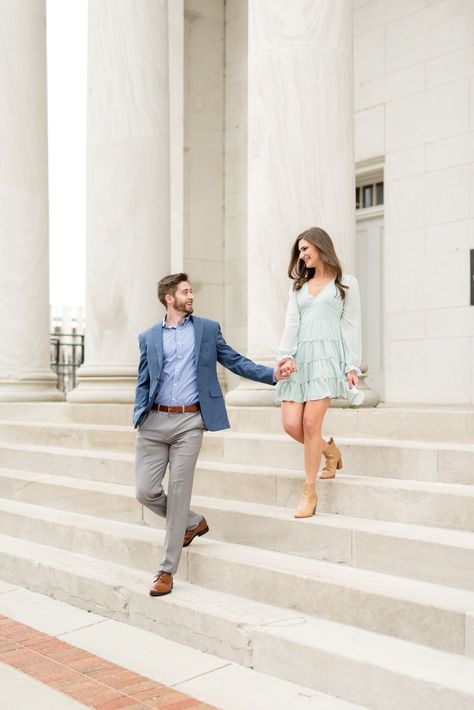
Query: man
[{"x": 178, "y": 396}]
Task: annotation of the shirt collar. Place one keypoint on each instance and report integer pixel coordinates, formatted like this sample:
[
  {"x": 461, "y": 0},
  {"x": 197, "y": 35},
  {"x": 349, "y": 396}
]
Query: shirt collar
[{"x": 183, "y": 322}]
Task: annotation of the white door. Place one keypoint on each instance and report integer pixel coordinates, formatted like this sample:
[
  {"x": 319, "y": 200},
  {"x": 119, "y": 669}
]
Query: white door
[{"x": 369, "y": 231}]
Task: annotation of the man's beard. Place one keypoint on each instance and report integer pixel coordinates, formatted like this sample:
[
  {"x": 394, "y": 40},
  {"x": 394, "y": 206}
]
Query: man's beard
[{"x": 184, "y": 308}]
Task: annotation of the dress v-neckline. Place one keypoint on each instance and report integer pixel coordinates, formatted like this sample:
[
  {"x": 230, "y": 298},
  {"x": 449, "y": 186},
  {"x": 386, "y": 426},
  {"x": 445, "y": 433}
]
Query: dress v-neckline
[{"x": 322, "y": 290}]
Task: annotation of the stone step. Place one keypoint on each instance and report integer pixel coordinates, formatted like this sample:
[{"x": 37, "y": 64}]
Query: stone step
[
  {"x": 397, "y": 421},
  {"x": 423, "y": 461},
  {"x": 106, "y": 500},
  {"x": 446, "y": 505},
  {"x": 409, "y": 422},
  {"x": 94, "y": 464},
  {"x": 69, "y": 435},
  {"x": 424, "y": 613},
  {"x": 433, "y": 504},
  {"x": 100, "y": 456},
  {"x": 428, "y": 554},
  {"x": 63, "y": 412},
  {"x": 349, "y": 663}
]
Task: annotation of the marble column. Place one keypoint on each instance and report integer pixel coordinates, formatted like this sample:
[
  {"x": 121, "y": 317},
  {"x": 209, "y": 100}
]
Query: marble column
[
  {"x": 128, "y": 193},
  {"x": 25, "y": 373},
  {"x": 300, "y": 154}
]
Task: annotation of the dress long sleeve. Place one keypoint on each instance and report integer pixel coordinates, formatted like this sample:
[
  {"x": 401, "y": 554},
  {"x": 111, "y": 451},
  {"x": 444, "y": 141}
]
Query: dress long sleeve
[
  {"x": 289, "y": 344},
  {"x": 351, "y": 326}
]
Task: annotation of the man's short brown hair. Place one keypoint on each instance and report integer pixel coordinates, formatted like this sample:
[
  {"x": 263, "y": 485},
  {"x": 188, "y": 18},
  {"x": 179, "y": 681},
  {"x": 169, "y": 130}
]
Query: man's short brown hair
[{"x": 168, "y": 285}]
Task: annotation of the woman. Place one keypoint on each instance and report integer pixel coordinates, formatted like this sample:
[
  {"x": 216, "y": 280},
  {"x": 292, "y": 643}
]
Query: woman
[{"x": 321, "y": 347}]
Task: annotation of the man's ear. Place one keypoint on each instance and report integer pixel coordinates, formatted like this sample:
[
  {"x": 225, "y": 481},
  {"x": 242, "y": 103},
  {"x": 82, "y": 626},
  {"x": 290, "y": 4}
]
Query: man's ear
[{"x": 169, "y": 300}]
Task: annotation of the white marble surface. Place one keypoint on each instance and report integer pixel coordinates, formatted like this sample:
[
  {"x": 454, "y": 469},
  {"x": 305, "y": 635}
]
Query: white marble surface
[
  {"x": 24, "y": 259},
  {"x": 236, "y": 178},
  {"x": 301, "y": 148},
  {"x": 425, "y": 92},
  {"x": 204, "y": 154},
  {"x": 128, "y": 191}
]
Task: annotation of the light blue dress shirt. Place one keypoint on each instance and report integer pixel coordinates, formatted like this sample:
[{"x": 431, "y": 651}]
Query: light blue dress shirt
[{"x": 178, "y": 381}]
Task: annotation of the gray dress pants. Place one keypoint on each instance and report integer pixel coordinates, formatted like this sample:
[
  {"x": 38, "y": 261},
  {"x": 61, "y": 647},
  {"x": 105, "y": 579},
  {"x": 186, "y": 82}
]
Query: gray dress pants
[{"x": 173, "y": 439}]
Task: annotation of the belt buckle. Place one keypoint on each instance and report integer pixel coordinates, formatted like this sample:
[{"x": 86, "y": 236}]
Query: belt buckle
[{"x": 183, "y": 409}]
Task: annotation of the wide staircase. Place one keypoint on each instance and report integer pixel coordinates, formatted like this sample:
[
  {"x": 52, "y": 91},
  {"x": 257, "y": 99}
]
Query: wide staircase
[{"x": 370, "y": 601}]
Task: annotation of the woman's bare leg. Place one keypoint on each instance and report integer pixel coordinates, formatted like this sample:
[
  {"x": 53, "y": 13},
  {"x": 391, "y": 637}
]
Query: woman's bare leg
[
  {"x": 313, "y": 417},
  {"x": 292, "y": 419}
]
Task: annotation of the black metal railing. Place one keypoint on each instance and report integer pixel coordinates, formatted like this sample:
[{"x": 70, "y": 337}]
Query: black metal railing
[{"x": 66, "y": 355}]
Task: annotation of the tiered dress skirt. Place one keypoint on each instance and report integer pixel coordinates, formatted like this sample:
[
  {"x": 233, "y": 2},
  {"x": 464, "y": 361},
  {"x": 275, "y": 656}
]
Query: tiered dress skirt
[{"x": 320, "y": 354}]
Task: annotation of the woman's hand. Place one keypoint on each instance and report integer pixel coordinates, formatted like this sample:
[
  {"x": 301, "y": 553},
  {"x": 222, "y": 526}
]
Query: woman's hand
[
  {"x": 284, "y": 368},
  {"x": 352, "y": 379}
]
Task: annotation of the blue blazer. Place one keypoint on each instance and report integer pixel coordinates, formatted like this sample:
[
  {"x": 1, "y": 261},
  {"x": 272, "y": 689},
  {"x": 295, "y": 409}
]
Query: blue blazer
[{"x": 210, "y": 348}]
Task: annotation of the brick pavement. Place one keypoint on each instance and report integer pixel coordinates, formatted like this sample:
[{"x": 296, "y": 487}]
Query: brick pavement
[{"x": 91, "y": 680}]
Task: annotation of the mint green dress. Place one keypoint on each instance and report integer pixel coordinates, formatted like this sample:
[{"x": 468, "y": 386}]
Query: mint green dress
[{"x": 323, "y": 335}]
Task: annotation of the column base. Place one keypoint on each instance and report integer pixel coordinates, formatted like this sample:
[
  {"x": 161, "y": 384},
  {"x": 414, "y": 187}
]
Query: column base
[
  {"x": 251, "y": 394},
  {"x": 104, "y": 385},
  {"x": 33, "y": 387}
]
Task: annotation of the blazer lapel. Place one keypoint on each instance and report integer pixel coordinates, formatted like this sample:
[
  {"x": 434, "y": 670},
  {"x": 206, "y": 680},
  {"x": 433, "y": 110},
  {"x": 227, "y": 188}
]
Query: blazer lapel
[{"x": 198, "y": 330}]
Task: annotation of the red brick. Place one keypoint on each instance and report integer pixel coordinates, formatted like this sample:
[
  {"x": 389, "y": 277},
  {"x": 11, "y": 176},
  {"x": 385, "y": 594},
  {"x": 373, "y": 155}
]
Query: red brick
[
  {"x": 58, "y": 675},
  {"x": 122, "y": 680},
  {"x": 70, "y": 680},
  {"x": 167, "y": 699},
  {"x": 42, "y": 665},
  {"x": 82, "y": 688},
  {"x": 25, "y": 636},
  {"x": 139, "y": 685},
  {"x": 48, "y": 646},
  {"x": 96, "y": 694},
  {"x": 103, "y": 674},
  {"x": 122, "y": 702},
  {"x": 38, "y": 639},
  {"x": 184, "y": 704},
  {"x": 17, "y": 656},
  {"x": 89, "y": 665}
]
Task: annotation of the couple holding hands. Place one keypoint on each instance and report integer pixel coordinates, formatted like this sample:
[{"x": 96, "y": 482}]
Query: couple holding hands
[{"x": 178, "y": 395}]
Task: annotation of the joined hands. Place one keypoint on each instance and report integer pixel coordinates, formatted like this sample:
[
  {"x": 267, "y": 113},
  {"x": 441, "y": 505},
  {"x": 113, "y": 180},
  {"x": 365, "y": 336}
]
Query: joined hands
[{"x": 284, "y": 369}]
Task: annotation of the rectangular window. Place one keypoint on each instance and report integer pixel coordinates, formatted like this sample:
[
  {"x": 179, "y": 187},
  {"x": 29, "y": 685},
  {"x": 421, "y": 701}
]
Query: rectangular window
[
  {"x": 379, "y": 193},
  {"x": 368, "y": 195}
]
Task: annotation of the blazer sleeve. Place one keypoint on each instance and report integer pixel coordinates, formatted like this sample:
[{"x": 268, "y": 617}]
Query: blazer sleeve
[
  {"x": 351, "y": 327},
  {"x": 240, "y": 365},
  {"x": 289, "y": 341},
  {"x": 143, "y": 382}
]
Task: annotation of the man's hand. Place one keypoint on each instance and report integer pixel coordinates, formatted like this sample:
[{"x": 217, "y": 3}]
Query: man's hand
[
  {"x": 352, "y": 379},
  {"x": 284, "y": 368}
]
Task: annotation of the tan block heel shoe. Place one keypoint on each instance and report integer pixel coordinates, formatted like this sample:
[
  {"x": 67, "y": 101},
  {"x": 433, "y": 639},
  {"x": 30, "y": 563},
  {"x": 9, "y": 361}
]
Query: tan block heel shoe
[
  {"x": 333, "y": 460},
  {"x": 308, "y": 502}
]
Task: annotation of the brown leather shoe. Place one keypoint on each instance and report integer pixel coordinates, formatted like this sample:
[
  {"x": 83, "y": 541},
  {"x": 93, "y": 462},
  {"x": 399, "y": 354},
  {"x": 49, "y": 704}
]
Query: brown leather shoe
[
  {"x": 201, "y": 529},
  {"x": 162, "y": 585}
]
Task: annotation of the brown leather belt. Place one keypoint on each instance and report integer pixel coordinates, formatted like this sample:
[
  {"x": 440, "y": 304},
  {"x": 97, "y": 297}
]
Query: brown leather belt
[{"x": 176, "y": 409}]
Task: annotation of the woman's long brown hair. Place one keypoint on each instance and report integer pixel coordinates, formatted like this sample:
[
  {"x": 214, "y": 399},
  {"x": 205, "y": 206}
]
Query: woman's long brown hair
[{"x": 297, "y": 269}]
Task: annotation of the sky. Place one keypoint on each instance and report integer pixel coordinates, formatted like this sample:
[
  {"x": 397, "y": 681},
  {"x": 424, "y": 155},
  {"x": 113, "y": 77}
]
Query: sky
[{"x": 67, "y": 101}]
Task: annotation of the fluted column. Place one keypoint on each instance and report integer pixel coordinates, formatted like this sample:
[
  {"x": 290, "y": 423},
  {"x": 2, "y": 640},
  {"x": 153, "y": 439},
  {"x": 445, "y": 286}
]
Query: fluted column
[
  {"x": 128, "y": 206},
  {"x": 300, "y": 154},
  {"x": 25, "y": 373}
]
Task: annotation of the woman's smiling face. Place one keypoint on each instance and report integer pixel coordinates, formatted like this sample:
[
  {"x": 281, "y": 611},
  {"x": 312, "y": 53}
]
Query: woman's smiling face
[{"x": 308, "y": 253}]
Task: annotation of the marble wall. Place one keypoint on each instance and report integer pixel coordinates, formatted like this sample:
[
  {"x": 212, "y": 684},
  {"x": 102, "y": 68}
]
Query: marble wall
[
  {"x": 203, "y": 164},
  {"x": 235, "y": 186},
  {"x": 414, "y": 93}
]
